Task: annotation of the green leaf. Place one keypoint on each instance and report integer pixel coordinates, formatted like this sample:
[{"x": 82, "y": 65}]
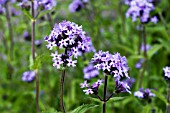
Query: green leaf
[
  {"x": 83, "y": 108},
  {"x": 94, "y": 99},
  {"x": 50, "y": 112},
  {"x": 160, "y": 96},
  {"x": 31, "y": 62},
  {"x": 165, "y": 44},
  {"x": 27, "y": 13},
  {"x": 113, "y": 99},
  {"x": 125, "y": 48},
  {"x": 146, "y": 109},
  {"x": 37, "y": 63},
  {"x": 42, "y": 13},
  {"x": 153, "y": 50}
]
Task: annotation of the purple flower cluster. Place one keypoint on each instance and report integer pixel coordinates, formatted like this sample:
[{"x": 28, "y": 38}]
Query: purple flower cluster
[
  {"x": 111, "y": 64},
  {"x": 93, "y": 89},
  {"x": 5, "y": 1},
  {"x": 141, "y": 9},
  {"x": 90, "y": 72},
  {"x": 167, "y": 71},
  {"x": 144, "y": 94},
  {"x": 70, "y": 37},
  {"x": 42, "y": 4},
  {"x": 122, "y": 86},
  {"x": 77, "y": 5},
  {"x": 28, "y": 76}
]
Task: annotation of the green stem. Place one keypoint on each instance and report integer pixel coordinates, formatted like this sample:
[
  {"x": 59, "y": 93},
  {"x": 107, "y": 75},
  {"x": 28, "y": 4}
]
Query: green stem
[
  {"x": 144, "y": 40},
  {"x": 8, "y": 17},
  {"x": 62, "y": 91},
  {"x": 122, "y": 16},
  {"x": 104, "y": 96},
  {"x": 168, "y": 100},
  {"x": 33, "y": 55},
  {"x": 50, "y": 20}
]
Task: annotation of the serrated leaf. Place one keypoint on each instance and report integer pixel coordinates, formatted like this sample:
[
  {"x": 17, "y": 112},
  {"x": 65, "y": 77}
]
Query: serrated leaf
[
  {"x": 113, "y": 99},
  {"x": 83, "y": 108},
  {"x": 153, "y": 50},
  {"x": 160, "y": 96}
]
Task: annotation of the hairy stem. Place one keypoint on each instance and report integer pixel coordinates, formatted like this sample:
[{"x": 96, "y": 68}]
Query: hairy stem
[
  {"x": 168, "y": 99},
  {"x": 104, "y": 95},
  {"x": 33, "y": 55},
  {"x": 8, "y": 17},
  {"x": 62, "y": 91}
]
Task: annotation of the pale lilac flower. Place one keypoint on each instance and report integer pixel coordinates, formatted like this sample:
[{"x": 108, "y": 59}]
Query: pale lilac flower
[
  {"x": 42, "y": 4},
  {"x": 144, "y": 94},
  {"x": 148, "y": 47},
  {"x": 28, "y": 76},
  {"x": 154, "y": 19},
  {"x": 4, "y": 1},
  {"x": 46, "y": 4},
  {"x": 90, "y": 71},
  {"x": 138, "y": 65},
  {"x": 84, "y": 85},
  {"x": 38, "y": 43},
  {"x": 139, "y": 94},
  {"x": 167, "y": 71},
  {"x": 27, "y": 36},
  {"x": 93, "y": 89},
  {"x": 88, "y": 91},
  {"x": 75, "y": 6},
  {"x": 15, "y": 12},
  {"x": 122, "y": 86},
  {"x": 129, "y": 81}
]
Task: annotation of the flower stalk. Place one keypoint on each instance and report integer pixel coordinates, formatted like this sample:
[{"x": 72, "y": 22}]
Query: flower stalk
[
  {"x": 33, "y": 55},
  {"x": 104, "y": 96},
  {"x": 62, "y": 91},
  {"x": 8, "y": 17},
  {"x": 168, "y": 99}
]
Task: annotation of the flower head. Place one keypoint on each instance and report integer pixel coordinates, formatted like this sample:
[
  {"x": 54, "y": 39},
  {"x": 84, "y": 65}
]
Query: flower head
[
  {"x": 28, "y": 76},
  {"x": 141, "y": 9},
  {"x": 144, "y": 94},
  {"x": 42, "y": 4},
  {"x": 122, "y": 86},
  {"x": 93, "y": 89},
  {"x": 167, "y": 71},
  {"x": 70, "y": 37},
  {"x": 90, "y": 72},
  {"x": 77, "y": 5},
  {"x": 112, "y": 64}
]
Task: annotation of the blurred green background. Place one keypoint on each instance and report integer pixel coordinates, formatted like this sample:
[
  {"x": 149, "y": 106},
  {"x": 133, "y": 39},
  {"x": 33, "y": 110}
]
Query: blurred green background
[{"x": 105, "y": 22}]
